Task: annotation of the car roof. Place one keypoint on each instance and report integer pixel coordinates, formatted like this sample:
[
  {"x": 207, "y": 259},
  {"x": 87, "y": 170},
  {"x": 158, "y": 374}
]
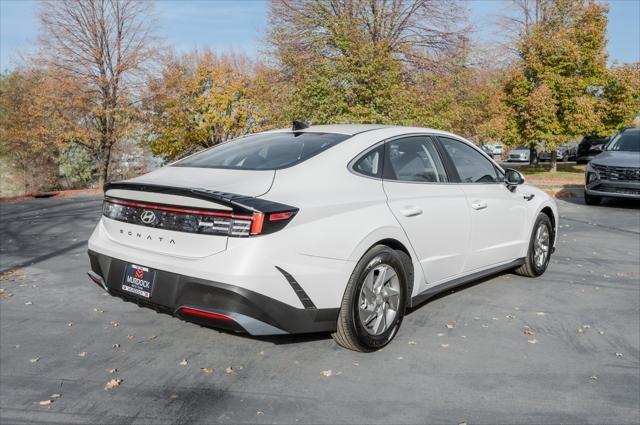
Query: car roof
[{"x": 353, "y": 129}]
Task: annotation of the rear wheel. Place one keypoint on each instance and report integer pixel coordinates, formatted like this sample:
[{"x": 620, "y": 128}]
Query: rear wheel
[
  {"x": 591, "y": 199},
  {"x": 374, "y": 302},
  {"x": 537, "y": 259}
]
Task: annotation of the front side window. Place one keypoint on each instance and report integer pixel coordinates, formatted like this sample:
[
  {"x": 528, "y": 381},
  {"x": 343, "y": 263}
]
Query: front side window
[
  {"x": 266, "y": 151},
  {"x": 471, "y": 165},
  {"x": 414, "y": 159}
]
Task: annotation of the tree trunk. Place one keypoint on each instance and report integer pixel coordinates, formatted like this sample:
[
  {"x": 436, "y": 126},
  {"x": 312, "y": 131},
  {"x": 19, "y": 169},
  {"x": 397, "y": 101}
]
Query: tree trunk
[
  {"x": 554, "y": 161},
  {"x": 104, "y": 167},
  {"x": 533, "y": 156}
]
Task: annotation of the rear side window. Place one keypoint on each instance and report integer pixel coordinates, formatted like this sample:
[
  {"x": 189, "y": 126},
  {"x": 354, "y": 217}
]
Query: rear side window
[
  {"x": 471, "y": 165},
  {"x": 268, "y": 151},
  {"x": 371, "y": 163},
  {"x": 415, "y": 159}
]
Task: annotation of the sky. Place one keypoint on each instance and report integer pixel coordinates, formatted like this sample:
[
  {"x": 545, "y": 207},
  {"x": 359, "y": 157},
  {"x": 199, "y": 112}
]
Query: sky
[{"x": 239, "y": 25}]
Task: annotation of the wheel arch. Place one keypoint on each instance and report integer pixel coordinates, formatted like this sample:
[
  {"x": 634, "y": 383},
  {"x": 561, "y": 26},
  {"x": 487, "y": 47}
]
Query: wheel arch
[{"x": 407, "y": 257}]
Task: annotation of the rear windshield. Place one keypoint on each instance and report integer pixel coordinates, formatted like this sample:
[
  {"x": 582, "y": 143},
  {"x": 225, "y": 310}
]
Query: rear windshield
[
  {"x": 267, "y": 151},
  {"x": 627, "y": 141}
]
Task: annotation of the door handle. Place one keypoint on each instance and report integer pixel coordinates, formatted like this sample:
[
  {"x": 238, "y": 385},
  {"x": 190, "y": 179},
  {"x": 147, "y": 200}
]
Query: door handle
[
  {"x": 529, "y": 196},
  {"x": 410, "y": 211},
  {"x": 479, "y": 205}
]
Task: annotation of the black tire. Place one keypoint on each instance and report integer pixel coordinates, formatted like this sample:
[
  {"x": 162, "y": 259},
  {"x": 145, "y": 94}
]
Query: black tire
[
  {"x": 529, "y": 268},
  {"x": 592, "y": 199},
  {"x": 350, "y": 333}
]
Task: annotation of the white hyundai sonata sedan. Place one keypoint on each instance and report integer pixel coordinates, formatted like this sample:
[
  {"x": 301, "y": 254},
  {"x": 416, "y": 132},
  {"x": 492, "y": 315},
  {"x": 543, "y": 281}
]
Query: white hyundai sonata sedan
[{"x": 336, "y": 228}]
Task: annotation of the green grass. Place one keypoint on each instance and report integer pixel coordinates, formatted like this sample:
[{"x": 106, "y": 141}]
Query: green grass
[{"x": 567, "y": 174}]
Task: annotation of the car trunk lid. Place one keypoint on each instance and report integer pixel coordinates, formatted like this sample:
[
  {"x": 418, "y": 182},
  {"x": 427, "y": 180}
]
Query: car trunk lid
[{"x": 183, "y": 212}]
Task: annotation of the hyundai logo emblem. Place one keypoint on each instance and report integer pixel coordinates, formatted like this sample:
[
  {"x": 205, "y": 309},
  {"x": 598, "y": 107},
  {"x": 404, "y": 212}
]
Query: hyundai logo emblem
[{"x": 148, "y": 217}]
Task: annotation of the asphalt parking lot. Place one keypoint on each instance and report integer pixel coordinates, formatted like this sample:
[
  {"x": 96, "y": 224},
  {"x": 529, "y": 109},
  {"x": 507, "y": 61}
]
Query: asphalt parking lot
[{"x": 564, "y": 348}]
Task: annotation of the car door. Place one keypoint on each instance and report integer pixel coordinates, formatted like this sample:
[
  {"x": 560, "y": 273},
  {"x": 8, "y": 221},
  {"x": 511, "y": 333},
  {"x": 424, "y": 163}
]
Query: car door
[
  {"x": 497, "y": 212},
  {"x": 432, "y": 212}
]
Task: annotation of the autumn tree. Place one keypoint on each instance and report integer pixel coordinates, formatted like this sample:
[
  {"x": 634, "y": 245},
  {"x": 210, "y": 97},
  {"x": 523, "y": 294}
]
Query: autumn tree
[
  {"x": 357, "y": 60},
  {"x": 104, "y": 48},
  {"x": 561, "y": 86},
  {"x": 26, "y": 150},
  {"x": 201, "y": 99}
]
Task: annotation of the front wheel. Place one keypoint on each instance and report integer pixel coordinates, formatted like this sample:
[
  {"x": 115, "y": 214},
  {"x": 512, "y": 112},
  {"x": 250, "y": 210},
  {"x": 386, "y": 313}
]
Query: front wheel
[
  {"x": 374, "y": 302},
  {"x": 539, "y": 253}
]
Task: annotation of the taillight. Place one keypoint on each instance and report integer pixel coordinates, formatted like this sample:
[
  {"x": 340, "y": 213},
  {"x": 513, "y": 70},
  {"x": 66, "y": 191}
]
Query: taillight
[{"x": 192, "y": 220}]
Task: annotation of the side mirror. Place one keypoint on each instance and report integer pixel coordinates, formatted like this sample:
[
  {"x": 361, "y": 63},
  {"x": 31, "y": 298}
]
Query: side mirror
[{"x": 513, "y": 178}]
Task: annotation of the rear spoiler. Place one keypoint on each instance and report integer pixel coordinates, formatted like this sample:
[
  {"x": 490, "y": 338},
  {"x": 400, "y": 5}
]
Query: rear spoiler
[{"x": 239, "y": 203}]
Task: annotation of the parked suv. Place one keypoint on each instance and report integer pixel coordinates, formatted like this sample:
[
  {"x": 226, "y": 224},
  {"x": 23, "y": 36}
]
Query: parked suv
[
  {"x": 564, "y": 153},
  {"x": 616, "y": 171},
  {"x": 590, "y": 147}
]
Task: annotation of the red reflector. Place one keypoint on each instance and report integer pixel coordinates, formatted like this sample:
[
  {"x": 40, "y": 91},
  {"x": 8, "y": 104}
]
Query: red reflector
[
  {"x": 281, "y": 216},
  {"x": 204, "y": 314},
  {"x": 257, "y": 222}
]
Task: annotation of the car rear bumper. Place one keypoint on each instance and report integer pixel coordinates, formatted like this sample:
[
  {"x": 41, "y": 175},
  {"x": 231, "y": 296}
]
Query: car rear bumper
[
  {"x": 214, "y": 304},
  {"x": 614, "y": 189}
]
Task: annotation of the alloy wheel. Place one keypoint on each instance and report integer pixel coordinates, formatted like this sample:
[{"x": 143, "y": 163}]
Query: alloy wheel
[{"x": 379, "y": 299}]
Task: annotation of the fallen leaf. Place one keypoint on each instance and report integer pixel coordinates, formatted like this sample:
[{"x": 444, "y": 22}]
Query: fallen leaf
[
  {"x": 116, "y": 346},
  {"x": 82, "y": 354},
  {"x": 356, "y": 364},
  {"x": 510, "y": 316},
  {"x": 601, "y": 332},
  {"x": 114, "y": 323},
  {"x": 28, "y": 303},
  {"x": 440, "y": 334},
  {"x": 451, "y": 325},
  {"x": 400, "y": 358},
  {"x": 529, "y": 331},
  {"x": 114, "y": 370},
  {"x": 97, "y": 310},
  {"x": 532, "y": 341},
  {"x": 594, "y": 377},
  {"x": 173, "y": 396},
  {"x": 34, "y": 360},
  {"x": 45, "y": 402},
  {"x": 444, "y": 345},
  {"x": 229, "y": 370},
  {"x": 54, "y": 396},
  {"x": 152, "y": 337},
  {"x": 326, "y": 373},
  {"x": 261, "y": 353},
  {"x": 112, "y": 384},
  {"x": 183, "y": 362},
  {"x": 130, "y": 337},
  {"x": 206, "y": 369},
  {"x": 259, "y": 413},
  {"x": 485, "y": 326},
  {"x": 540, "y": 313},
  {"x": 619, "y": 355},
  {"x": 70, "y": 324}
]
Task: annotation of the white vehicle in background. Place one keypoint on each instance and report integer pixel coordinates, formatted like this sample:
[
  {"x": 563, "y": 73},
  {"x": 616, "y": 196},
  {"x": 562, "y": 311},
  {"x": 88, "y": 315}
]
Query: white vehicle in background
[
  {"x": 497, "y": 149},
  {"x": 519, "y": 154},
  {"x": 334, "y": 228}
]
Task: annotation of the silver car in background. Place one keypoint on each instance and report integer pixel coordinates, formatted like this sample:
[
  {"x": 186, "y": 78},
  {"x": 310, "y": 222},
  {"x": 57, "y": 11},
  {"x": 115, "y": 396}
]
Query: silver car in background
[
  {"x": 519, "y": 154},
  {"x": 616, "y": 171}
]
